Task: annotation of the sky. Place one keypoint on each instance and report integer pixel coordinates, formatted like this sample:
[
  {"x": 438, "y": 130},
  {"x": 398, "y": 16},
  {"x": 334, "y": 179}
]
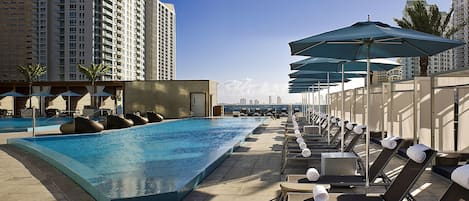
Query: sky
[{"x": 243, "y": 44}]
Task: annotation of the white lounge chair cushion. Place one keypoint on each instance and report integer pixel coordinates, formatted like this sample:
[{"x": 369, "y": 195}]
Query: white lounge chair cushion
[
  {"x": 312, "y": 174},
  {"x": 302, "y": 145},
  {"x": 297, "y": 131},
  {"x": 359, "y": 129},
  {"x": 299, "y": 140},
  {"x": 320, "y": 193},
  {"x": 349, "y": 126},
  {"x": 340, "y": 123},
  {"x": 461, "y": 176},
  {"x": 333, "y": 120},
  {"x": 306, "y": 153},
  {"x": 390, "y": 142},
  {"x": 417, "y": 152}
]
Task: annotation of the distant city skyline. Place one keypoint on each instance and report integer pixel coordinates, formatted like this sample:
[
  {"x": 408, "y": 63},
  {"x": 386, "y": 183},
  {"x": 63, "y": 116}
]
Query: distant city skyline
[{"x": 244, "y": 44}]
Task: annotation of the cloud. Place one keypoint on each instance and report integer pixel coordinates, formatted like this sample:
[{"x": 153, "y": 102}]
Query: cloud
[{"x": 231, "y": 91}]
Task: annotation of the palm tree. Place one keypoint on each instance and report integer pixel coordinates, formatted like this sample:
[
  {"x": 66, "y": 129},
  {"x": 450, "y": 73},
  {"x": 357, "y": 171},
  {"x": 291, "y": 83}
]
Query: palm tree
[
  {"x": 93, "y": 72},
  {"x": 428, "y": 21},
  {"x": 31, "y": 73}
]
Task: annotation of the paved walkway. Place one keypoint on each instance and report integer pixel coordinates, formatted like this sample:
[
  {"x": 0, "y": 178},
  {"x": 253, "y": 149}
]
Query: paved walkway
[{"x": 251, "y": 173}]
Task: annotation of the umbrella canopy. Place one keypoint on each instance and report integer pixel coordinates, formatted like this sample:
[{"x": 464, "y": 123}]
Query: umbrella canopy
[
  {"x": 322, "y": 75},
  {"x": 334, "y": 65},
  {"x": 13, "y": 94},
  {"x": 314, "y": 80},
  {"x": 383, "y": 40},
  {"x": 367, "y": 40},
  {"x": 69, "y": 93},
  {"x": 102, "y": 94},
  {"x": 42, "y": 94},
  {"x": 309, "y": 84}
]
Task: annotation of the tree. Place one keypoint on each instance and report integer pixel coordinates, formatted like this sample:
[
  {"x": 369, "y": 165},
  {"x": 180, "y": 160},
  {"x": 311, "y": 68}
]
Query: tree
[
  {"x": 428, "y": 21},
  {"x": 31, "y": 73},
  {"x": 93, "y": 72}
]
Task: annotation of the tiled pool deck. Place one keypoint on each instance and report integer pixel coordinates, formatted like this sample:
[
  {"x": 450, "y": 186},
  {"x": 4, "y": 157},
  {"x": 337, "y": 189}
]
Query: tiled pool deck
[{"x": 251, "y": 173}]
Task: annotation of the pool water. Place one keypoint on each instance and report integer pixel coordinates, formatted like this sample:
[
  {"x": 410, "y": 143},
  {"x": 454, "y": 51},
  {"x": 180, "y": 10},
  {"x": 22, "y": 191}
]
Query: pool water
[
  {"x": 22, "y": 124},
  {"x": 143, "y": 161}
]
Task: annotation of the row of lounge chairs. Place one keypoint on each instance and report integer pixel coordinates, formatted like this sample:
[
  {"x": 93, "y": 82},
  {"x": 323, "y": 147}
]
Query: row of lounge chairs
[
  {"x": 259, "y": 112},
  {"x": 87, "y": 125},
  {"x": 313, "y": 186}
]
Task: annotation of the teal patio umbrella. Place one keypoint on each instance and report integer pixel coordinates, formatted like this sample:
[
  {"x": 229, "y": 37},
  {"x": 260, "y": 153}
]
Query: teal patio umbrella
[
  {"x": 335, "y": 65},
  {"x": 338, "y": 67},
  {"x": 314, "y": 80},
  {"x": 367, "y": 40},
  {"x": 323, "y": 75}
]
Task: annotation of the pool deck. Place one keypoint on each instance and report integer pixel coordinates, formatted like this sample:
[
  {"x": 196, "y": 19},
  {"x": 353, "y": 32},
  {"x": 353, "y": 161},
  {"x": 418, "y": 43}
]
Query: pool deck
[{"x": 251, "y": 173}]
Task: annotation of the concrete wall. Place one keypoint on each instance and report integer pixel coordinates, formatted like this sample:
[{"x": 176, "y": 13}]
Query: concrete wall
[
  {"x": 463, "y": 127},
  {"x": 171, "y": 98}
]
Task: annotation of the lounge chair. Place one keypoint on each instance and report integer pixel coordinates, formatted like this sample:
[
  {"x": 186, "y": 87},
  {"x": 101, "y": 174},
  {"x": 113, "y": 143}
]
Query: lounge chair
[
  {"x": 397, "y": 191},
  {"x": 154, "y": 117},
  {"x": 117, "y": 122},
  {"x": 316, "y": 153},
  {"x": 284, "y": 112},
  {"x": 459, "y": 188},
  {"x": 376, "y": 170},
  {"x": 243, "y": 112},
  {"x": 81, "y": 125},
  {"x": 257, "y": 112},
  {"x": 137, "y": 119}
]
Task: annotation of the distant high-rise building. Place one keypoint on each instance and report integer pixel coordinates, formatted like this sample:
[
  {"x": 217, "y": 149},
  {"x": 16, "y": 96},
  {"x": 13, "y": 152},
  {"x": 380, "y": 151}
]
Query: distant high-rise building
[
  {"x": 160, "y": 35},
  {"x": 394, "y": 74},
  {"x": 17, "y": 34},
  {"x": 379, "y": 76},
  {"x": 63, "y": 34},
  {"x": 251, "y": 102},
  {"x": 437, "y": 63},
  {"x": 279, "y": 100},
  {"x": 256, "y": 102},
  {"x": 270, "y": 100},
  {"x": 92, "y": 32},
  {"x": 242, "y": 101},
  {"x": 460, "y": 16}
]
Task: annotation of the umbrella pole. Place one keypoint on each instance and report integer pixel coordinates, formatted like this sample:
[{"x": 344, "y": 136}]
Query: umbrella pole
[
  {"x": 306, "y": 114},
  {"x": 342, "y": 115},
  {"x": 69, "y": 109},
  {"x": 328, "y": 112},
  {"x": 312, "y": 97},
  {"x": 367, "y": 137},
  {"x": 319, "y": 104}
]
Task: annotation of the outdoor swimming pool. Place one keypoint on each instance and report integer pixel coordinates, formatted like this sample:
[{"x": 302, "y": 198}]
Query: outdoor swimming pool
[
  {"x": 161, "y": 161},
  {"x": 22, "y": 124}
]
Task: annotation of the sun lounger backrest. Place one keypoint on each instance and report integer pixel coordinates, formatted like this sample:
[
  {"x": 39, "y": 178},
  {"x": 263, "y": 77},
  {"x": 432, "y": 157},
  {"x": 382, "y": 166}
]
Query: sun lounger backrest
[
  {"x": 349, "y": 147},
  {"x": 455, "y": 192},
  {"x": 347, "y": 135},
  {"x": 382, "y": 160},
  {"x": 335, "y": 132},
  {"x": 412, "y": 170}
]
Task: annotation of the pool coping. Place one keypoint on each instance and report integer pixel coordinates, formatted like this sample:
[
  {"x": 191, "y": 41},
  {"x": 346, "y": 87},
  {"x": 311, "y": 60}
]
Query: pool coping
[{"x": 50, "y": 157}]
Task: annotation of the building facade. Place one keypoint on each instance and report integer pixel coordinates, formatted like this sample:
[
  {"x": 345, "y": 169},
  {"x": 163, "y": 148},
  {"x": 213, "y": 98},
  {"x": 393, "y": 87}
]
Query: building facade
[
  {"x": 460, "y": 16},
  {"x": 437, "y": 63},
  {"x": 279, "y": 100},
  {"x": 394, "y": 74},
  {"x": 160, "y": 41},
  {"x": 379, "y": 76},
  {"x": 61, "y": 34},
  {"x": 17, "y": 37}
]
